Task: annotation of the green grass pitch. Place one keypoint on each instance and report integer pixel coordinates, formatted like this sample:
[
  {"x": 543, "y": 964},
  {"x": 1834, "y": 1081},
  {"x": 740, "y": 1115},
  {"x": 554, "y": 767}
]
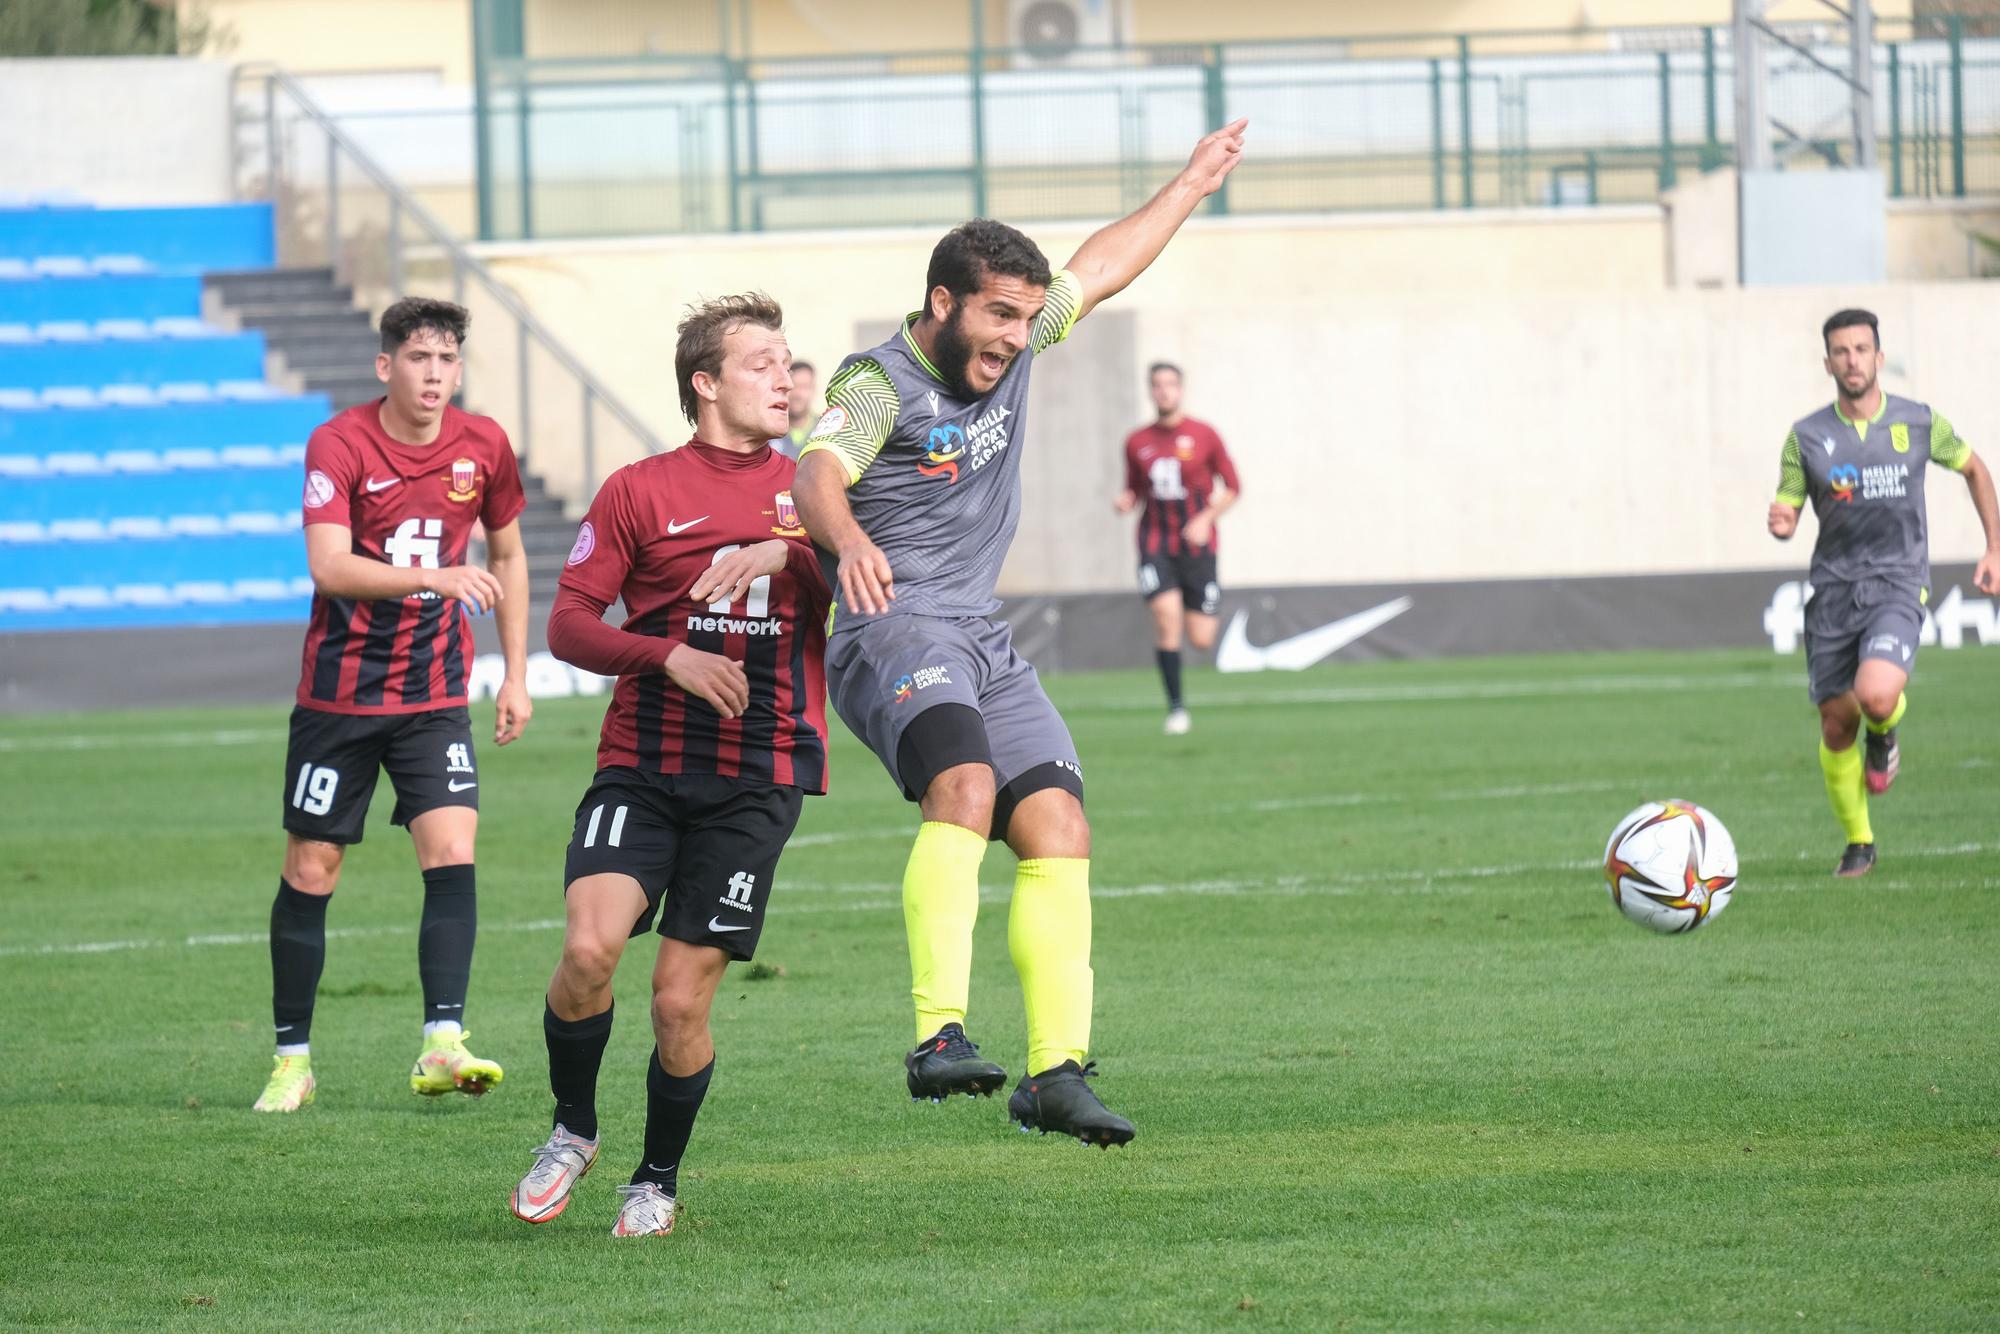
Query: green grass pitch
[{"x": 1395, "y": 1060}]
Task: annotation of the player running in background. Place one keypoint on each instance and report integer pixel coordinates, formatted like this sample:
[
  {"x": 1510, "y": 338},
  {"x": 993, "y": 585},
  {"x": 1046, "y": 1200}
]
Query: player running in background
[
  {"x": 393, "y": 489},
  {"x": 911, "y": 484},
  {"x": 805, "y": 406},
  {"x": 715, "y": 733},
  {"x": 1860, "y": 461},
  {"x": 1178, "y": 470}
]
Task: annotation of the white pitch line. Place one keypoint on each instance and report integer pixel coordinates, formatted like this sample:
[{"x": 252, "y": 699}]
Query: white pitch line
[
  {"x": 1359, "y": 882},
  {"x": 1387, "y": 694},
  {"x": 1445, "y": 692},
  {"x": 240, "y": 736}
]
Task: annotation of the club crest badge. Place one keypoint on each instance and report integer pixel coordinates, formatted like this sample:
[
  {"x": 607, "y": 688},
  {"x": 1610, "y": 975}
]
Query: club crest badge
[{"x": 464, "y": 480}]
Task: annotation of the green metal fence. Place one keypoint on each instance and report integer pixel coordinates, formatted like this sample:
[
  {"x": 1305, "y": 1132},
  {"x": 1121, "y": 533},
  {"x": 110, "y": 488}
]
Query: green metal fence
[{"x": 639, "y": 142}]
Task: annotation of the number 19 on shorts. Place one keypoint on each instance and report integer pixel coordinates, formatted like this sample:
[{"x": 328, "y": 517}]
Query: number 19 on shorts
[{"x": 313, "y": 793}]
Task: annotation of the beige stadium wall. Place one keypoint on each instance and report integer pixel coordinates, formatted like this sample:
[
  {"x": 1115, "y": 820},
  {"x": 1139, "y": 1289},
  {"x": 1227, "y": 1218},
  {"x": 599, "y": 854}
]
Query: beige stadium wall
[
  {"x": 344, "y": 36},
  {"x": 1460, "y": 438},
  {"x": 1410, "y": 397},
  {"x": 615, "y": 302}
]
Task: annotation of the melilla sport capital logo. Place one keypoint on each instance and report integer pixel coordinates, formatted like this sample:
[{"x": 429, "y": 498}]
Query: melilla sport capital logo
[{"x": 947, "y": 443}]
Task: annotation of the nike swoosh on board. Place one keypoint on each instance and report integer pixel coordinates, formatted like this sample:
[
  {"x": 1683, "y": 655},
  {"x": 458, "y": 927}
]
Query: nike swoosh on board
[
  {"x": 1237, "y": 654},
  {"x": 717, "y": 924}
]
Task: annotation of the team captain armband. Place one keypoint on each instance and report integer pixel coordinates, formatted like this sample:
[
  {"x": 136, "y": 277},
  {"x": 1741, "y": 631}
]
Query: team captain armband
[
  {"x": 1791, "y": 474},
  {"x": 1059, "y": 311},
  {"x": 1947, "y": 449},
  {"x": 861, "y": 407}
]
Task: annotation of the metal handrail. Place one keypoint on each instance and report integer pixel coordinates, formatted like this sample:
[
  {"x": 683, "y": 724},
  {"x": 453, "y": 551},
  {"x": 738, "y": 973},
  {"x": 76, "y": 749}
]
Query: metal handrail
[{"x": 402, "y": 203}]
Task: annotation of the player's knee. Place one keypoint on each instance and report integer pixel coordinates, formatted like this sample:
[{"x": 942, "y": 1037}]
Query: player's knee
[
  {"x": 1837, "y": 727},
  {"x": 1202, "y": 636},
  {"x": 678, "y": 1013},
  {"x": 313, "y": 868},
  {"x": 961, "y": 795},
  {"x": 1877, "y": 701},
  {"x": 452, "y": 850},
  {"x": 589, "y": 961}
]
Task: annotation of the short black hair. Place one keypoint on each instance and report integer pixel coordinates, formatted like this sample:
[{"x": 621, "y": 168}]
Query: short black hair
[
  {"x": 805, "y": 366},
  {"x": 402, "y": 321},
  {"x": 1159, "y": 366},
  {"x": 1849, "y": 319},
  {"x": 972, "y": 251},
  {"x": 698, "y": 340}
]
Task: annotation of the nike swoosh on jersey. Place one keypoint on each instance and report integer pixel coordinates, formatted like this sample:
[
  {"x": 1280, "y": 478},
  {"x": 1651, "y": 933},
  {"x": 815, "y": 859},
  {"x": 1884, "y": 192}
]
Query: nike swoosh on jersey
[
  {"x": 1237, "y": 654},
  {"x": 673, "y": 528},
  {"x": 457, "y": 786},
  {"x": 717, "y": 924},
  {"x": 374, "y": 485}
]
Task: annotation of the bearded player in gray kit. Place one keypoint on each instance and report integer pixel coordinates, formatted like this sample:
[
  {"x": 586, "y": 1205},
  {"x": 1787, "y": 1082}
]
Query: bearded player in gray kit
[
  {"x": 1860, "y": 461},
  {"x": 910, "y": 484}
]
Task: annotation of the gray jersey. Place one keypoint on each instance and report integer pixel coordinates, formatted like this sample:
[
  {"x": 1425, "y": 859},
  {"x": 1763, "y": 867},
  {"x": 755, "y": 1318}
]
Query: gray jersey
[
  {"x": 934, "y": 479},
  {"x": 1866, "y": 483}
]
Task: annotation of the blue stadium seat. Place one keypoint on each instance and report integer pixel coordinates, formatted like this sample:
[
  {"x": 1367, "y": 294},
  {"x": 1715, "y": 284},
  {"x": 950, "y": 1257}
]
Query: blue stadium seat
[
  {"x": 38, "y": 363},
  {"x": 224, "y": 236},
  {"x": 148, "y": 473},
  {"x": 221, "y": 489},
  {"x": 99, "y": 296},
  {"x": 103, "y": 429}
]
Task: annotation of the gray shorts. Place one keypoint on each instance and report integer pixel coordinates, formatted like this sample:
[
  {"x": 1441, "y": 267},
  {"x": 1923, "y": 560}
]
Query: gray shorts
[
  {"x": 1847, "y": 624},
  {"x": 883, "y": 673}
]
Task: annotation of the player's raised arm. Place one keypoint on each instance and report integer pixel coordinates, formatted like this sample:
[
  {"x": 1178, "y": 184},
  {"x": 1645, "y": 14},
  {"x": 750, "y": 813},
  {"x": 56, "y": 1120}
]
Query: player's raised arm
[{"x": 1113, "y": 256}]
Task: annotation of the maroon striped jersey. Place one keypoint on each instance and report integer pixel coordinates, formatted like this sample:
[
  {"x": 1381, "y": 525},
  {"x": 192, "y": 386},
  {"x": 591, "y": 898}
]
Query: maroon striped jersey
[
  {"x": 406, "y": 505},
  {"x": 1173, "y": 470},
  {"x": 654, "y": 528}
]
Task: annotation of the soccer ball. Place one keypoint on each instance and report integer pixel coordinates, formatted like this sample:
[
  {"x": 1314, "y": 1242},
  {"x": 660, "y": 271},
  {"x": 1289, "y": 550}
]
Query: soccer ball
[{"x": 1670, "y": 866}]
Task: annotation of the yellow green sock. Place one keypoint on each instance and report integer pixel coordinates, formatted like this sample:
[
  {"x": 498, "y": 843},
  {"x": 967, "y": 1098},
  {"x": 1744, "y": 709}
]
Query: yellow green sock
[
  {"x": 1895, "y": 716},
  {"x": 940, "y": 905},
  {"x": 1048, "y": 933},
  {"x": 1847, "y": 790}
]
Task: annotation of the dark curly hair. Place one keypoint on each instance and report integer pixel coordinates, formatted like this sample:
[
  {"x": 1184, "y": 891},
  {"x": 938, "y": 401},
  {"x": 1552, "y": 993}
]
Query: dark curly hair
[
  {"x": 972, "y": 251},
  {"x": 698, "y": 345},
  {"x": 402, "y": 321}
]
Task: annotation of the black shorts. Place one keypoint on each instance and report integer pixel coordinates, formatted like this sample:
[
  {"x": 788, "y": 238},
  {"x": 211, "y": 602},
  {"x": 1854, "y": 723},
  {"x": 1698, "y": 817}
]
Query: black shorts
[
  {"x": 1194, "y": 576},
  {"x": 706, "y": 844},
  {"x": 332, "y": 760}
]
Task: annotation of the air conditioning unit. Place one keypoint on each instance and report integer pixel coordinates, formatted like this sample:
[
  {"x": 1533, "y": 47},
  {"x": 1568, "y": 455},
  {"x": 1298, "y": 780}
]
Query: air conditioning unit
[{"x": 1060, "y": 34}]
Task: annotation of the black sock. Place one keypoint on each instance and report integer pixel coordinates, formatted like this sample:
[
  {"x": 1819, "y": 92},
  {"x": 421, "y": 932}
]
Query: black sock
[
  {"x": 671, "y": 1104},
  {"x": 298, "y": 952},
  {"x": 576, "y": 1048},
  {"x": 444, "y": 941},
  {"x": 1170, "y": 672}
]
